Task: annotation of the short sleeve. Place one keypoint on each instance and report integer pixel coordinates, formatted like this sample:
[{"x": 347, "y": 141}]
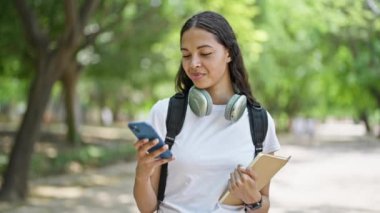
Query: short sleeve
[
  {"x": 271, "y": 143},
  {"x": 157, "y": 117}
]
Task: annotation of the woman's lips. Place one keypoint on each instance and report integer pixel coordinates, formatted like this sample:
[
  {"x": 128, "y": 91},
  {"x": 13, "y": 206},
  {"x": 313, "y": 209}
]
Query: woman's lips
[{"x": 196, "y": 76}]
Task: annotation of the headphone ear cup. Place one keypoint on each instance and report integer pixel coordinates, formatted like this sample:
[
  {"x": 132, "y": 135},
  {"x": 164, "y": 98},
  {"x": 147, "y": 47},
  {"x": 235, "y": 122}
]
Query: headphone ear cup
[
  {"x": 235, "y": 107},
  {"x": 200, "y": 101}
]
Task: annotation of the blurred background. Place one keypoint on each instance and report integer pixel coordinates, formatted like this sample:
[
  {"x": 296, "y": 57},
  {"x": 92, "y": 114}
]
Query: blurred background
[{"x": 73, "y": 73}]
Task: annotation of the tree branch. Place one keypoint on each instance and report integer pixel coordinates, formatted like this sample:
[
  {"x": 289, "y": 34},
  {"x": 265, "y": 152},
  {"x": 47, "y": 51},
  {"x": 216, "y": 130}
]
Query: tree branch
[
  {"x": 71, "y": 15},
  {"x": 87, "y": 8},
  {"x": 373, "y": 7},
  {"x": 34, "y": 34},
  {"x": 71, "y": 21},
  {"x": 91, "y": 37}
]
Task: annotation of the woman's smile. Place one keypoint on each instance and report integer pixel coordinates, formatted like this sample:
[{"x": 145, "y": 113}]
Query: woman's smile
[{"x": 196, "y": 76}]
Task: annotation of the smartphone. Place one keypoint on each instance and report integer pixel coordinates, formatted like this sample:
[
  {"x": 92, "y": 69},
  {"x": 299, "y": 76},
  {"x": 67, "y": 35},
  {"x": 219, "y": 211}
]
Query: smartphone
[{"x": 143, "y": 130}]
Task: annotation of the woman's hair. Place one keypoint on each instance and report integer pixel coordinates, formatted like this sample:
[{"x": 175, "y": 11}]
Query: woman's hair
[{"x": 216, "y": 24}]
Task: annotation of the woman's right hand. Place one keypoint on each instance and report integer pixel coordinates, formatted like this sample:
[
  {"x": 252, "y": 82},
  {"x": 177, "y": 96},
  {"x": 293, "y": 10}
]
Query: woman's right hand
[{"x": 147, "y": 162}]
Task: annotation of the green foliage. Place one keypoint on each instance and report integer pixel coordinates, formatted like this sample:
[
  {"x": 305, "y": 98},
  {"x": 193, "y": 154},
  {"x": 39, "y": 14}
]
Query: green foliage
[
  {"x": 318, "y": 65},
  {"x": 14, "y": 59},
  {"x": 12, "y": 90},
  {"x": 143, "y": 57},
  {"x": 301, "y": 63},
  {"x": 87, "y": 156}
]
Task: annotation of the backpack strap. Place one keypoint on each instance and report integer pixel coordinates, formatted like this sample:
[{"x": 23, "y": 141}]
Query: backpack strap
[
  {"x": 258, "y": 121},
  {"x": 174, "y": 122}
]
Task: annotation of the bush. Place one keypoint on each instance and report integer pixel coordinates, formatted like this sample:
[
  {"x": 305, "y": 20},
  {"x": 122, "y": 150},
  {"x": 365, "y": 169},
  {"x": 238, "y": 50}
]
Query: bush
[
  {"x": 87, "y": 156},
  {"x": 53, "y": 155}
]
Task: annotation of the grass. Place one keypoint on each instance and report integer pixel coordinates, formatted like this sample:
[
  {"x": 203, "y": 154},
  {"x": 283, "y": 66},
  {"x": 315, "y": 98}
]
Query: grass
[
  {"x": 53, "y": 155},
  {"x": 78, "y": 159}
]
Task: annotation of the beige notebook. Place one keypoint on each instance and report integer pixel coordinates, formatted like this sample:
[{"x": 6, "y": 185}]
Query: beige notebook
[{"x": 266, "y": 166}]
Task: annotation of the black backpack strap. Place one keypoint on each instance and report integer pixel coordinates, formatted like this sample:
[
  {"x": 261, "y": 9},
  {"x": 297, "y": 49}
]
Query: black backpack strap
[
  {"x": 174, "y": 122},
  {"x": 175, "y": 117},
  {"x": 258, "y": 122}
]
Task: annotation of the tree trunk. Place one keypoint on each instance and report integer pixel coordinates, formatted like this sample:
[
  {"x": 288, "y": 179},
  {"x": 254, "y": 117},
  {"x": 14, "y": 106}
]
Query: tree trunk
[
  {"x": 116, "y": 111},
  {"x": 52, "y": 62},
  {"x": 364, "y": 118},
  {"x": 15, "y": 185},
  {"x": 69, "y": 81}
]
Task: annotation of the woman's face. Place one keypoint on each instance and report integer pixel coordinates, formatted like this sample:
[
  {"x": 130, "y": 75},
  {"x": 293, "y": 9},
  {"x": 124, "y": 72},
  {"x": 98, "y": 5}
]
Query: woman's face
[{"x": 204, "y": 60}]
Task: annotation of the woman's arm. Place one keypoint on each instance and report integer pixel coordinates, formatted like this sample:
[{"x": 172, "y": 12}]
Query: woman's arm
[
  {"x": 265, "y": 204},
  {"x": 145, "y": 192},
  {"x": 242, "y": 185},
  {"x": 147, "y": 175}
]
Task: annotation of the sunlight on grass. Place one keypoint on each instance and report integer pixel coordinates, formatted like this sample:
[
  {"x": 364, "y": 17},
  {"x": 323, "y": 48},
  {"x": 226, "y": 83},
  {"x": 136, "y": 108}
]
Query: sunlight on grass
[
  {"x": 57, "y": 192},
  {"x": 97, "y": 180},
  {"x": 125, "y": 198},
  {"x": 106, "y": 132}
]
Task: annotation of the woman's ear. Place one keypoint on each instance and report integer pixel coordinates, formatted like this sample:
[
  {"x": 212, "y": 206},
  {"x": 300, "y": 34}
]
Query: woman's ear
[{"x": 228, "y": 57}]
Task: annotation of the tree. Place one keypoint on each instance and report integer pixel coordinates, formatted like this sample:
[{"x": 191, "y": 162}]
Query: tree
[
  {"x": 355, "y": 57},
  {"x": 52, "y": 58},
  {"x": 133, "y": 79},
  {"x": 315, "y": 65},
  {"x": 143, "y": 57}
]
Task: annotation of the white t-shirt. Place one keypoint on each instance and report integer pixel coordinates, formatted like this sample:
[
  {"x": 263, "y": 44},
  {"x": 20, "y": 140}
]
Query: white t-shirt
[{"x": 206, "y": 151}]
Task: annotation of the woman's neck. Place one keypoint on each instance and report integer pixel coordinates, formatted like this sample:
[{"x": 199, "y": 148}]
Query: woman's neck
[{"x": 221, "y": 96}]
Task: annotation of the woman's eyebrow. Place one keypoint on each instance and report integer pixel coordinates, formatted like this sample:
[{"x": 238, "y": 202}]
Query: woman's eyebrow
[
  {"x": 199, "y": 47},
  {"x": 204, "y": 46}
]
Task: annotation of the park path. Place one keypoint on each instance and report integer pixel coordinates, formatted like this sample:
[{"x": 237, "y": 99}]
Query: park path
[
  {"x": 105, "y": 190},
  {"x": 341, "y": 177},
  {"x": 325, "y": 174}
]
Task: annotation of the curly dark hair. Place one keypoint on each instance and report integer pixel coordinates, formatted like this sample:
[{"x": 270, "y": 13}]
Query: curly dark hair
[{"x": 224, "y": 34}]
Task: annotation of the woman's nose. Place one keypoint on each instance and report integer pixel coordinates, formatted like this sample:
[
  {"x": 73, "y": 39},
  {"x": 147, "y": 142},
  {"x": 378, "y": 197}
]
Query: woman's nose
[{"x": 195, "y": 62}]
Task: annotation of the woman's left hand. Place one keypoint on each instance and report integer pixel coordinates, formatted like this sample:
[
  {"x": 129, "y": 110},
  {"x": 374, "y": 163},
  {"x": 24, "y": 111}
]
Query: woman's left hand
[{"x": 242, "y": 184}]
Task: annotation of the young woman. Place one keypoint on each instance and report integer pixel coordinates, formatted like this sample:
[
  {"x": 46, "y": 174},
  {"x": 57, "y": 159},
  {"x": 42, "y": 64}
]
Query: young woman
[{"x": 209, "y": 150}]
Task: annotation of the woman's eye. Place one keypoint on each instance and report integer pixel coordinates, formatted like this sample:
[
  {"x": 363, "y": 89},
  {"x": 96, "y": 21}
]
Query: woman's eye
[
  {"x": 185, "y": 56},
  {"x": 206, "y": 54}
]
